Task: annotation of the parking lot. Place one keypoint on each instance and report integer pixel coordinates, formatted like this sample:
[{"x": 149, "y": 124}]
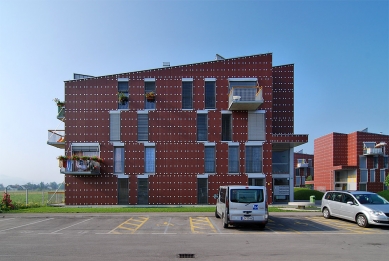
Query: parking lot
[{"x": 174, "y": 223}]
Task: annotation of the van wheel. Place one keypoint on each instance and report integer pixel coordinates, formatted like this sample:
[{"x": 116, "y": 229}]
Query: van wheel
[
  {"x": 216, "y": 214},
  {"x": 362, "y": 220},
  {"x": 225, "y": 225},
  {"x": 326, "y": 213}
]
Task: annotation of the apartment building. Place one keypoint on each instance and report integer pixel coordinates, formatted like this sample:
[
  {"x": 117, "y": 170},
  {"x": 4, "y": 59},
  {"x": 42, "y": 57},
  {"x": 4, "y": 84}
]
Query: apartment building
[
  {"x": 173, "y": 135},
  {"x": 304, "y": 169},
  {"x": 355, "y": 161}
]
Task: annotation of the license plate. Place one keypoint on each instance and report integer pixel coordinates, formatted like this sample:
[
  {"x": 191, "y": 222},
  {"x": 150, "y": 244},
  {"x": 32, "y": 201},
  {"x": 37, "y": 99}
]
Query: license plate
[{"x": 248, "y": 218}]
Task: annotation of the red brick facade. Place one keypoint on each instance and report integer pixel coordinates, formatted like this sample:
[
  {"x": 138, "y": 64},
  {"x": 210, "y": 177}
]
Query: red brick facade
[
  {"x": 338, "y": 161},
  {"x": 179, "y": 157}
]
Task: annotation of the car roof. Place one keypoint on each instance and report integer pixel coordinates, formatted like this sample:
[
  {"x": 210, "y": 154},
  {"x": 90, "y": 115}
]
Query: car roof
[{"x": 353, "y": 192}]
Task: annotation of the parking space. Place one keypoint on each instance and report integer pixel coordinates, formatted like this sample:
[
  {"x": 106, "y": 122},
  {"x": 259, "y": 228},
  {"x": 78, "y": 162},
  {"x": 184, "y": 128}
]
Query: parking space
[{"x": 179, "y": 223}]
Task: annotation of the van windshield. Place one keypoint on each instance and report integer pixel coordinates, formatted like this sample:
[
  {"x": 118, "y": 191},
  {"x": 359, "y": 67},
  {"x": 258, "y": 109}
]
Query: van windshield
[{"x": 246, "y": 195}]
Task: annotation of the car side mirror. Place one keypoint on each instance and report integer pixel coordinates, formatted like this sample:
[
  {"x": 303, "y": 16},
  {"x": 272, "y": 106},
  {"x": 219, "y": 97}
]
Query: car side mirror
[{"x": 350, "y": 202}]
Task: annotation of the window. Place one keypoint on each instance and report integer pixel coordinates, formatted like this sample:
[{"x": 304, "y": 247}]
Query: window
[
  {"x": 210, "y": 95},
  {"x": 280, "y": 162},
  {"x": 372, "y": 175},
  {"x": 375, "y": 162},
  {"x": 253, "y": 159},
  {"x": 114, "y": 126},
  {"x": 362, "y": 162},
  {"x": 187, "y": 95},
  {"x": 226, "y": 127},
  {"x": 209, "y": 158},
  {"x": 222, "y": 195},
  {"x": 363, "y": 176},
  {"x": 386, "y": 162},
  {"x": 143, "y": 127},
  {"x": 382, "y": 175},
  {"x": 362, "y": 187},
  {"x": 118, "y": 160},
  {"x": 149, "y": 159},
  {"x": 202, "y": 127},
  {"x": 298, "y": 181},
  {"x": 256, "y": 126},
  {"x": 233, "y": 159},
  {"x": 149, "y": 88},
  {"x": 123, "y": 95},
  {"x": 202, "y": 191}
]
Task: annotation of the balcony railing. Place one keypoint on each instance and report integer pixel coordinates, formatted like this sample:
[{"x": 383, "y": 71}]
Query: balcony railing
[
  {"x": 61, "y": 113},
  {"x": 372, "y": 151},
  {"x": 79, "y": 167},
  {"x": 56, "y": 138},
  {"x": 245, "y": 98}
]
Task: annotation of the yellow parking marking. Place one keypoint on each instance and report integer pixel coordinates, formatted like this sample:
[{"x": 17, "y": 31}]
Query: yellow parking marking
[
  {"x": 129, "y": 226},
  {"x": 201, "y": 225},
  {"x": 341, "y": 224}
]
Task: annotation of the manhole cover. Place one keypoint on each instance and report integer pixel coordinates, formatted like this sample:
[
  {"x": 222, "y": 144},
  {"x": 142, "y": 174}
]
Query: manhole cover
[{"x": 186, "y": 255}]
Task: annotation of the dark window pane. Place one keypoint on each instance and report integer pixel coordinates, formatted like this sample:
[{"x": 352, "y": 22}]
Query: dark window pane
[
  {"x": 210, "y": 98},
  {"x": 187, "y": 95},
  {"x": 226, "y": 126}
]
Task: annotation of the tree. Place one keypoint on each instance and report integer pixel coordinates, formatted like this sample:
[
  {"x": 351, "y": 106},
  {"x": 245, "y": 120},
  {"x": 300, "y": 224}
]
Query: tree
[{"x": 387, "y": 180}]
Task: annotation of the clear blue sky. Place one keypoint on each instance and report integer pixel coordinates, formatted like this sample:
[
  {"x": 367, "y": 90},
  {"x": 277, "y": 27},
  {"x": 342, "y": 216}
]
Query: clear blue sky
[{"x": 339, "y": 49}]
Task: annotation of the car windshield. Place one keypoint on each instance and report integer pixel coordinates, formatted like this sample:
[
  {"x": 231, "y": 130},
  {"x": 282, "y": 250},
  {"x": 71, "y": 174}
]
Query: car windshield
[
  {"x": 246, "y": 195},
  {"x": 370, "y": 199}
]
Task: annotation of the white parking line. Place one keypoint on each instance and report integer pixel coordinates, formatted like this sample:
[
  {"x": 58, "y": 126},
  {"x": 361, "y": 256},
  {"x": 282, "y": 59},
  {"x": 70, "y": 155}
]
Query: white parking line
[
  {"x": 26, "y": 224},
  {"x": 56, "y": 232},
  {"x": 6, "y": 219}
]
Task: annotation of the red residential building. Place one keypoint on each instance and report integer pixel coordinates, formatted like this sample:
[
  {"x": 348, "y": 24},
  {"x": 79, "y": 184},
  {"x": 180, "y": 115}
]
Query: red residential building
[
  {"x": 355, "y": 161},
  {"x": 173, "y": 135},
  {"x": 304, "y": 166}
]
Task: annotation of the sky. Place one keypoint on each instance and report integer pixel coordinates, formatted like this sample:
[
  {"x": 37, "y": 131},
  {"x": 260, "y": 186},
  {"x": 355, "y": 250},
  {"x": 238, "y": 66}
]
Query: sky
[{"x": 340, "y": 52}]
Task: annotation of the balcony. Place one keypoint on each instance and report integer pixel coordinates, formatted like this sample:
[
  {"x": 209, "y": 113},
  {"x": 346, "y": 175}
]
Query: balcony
[
  {"x": 372, "y": 151},
  {"x": 246, "y": 98},
  {"x": 301, "y": 163},
  {"x": 61, "y": 113},
  {"x": 56, "y": 138},
  {"x": 79, "y": 167}
]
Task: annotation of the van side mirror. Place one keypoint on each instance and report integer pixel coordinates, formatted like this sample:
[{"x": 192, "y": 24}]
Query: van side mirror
[
  {"x": 215, "y": 196},
  {"x": 350, "y": 202}
]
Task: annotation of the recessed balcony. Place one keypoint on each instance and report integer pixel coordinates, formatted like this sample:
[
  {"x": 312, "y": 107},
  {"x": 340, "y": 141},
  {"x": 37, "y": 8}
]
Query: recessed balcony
[
  {"x": 244, "y": 98},
  {"x": 301, "y": 163},
  {"x": 79, "y": 167},
  {"x": 56, "y": 138}
]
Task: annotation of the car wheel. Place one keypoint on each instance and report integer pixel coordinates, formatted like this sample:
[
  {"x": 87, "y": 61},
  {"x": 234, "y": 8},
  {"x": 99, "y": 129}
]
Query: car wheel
[
  {"x": 216, "y": 214},
  {"x": 326, "y": 213},
  {"x": 362, "y": 220},
  {"x": 225, "y": 225}
]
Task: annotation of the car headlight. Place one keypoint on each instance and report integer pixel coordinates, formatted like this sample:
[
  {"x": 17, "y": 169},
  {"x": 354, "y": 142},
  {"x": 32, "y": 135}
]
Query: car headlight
[{"x": 377, "y": 213}]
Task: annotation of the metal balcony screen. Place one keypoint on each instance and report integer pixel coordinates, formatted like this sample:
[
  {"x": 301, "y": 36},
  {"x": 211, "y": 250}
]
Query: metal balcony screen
[
  {"x": 114, "y": 127},
  {"x": 233, "y": 159},
  {"x": 118, "y": 158},
  {"x": 253, "y": 159},
  {"x": 143, "y": 127},
  {"x": 256, "y": 126},
  {"x": 209, "y": 159},
  {"x": 202, "y": 127}
]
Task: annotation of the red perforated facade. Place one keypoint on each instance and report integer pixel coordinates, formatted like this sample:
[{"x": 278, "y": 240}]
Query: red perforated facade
[{"x": 181, "y": 172}]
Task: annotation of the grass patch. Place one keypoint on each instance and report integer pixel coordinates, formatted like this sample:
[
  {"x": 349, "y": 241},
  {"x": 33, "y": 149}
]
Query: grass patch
[
  {"x": 384, "y": 194},
  {"x": 304, "y": 194},
  {"x": 122, "y": 209}
]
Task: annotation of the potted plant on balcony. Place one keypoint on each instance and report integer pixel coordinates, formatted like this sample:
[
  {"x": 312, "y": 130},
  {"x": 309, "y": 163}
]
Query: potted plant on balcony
[
  {"x": 97, "y": 159},
  {"x": 85, "y": 158},
  {"x": 75, "y": 157},
  {"x": 150, "y": 96},
  {"x": 62, "y": 161},
  {"x": 122, "y": 98},
  {"x": 58, "y": 102}
]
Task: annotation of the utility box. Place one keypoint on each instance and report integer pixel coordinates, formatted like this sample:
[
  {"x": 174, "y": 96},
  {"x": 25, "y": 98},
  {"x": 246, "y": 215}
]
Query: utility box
[{"x": 312, "y": 199}]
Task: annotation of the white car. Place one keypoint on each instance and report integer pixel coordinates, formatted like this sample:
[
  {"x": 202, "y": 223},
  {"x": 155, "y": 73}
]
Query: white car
[{"x": 364, "y": 208}]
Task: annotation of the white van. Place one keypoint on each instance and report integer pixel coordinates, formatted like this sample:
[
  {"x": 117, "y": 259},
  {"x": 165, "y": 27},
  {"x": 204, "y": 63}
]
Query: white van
[{"x": 240, "y": 205}]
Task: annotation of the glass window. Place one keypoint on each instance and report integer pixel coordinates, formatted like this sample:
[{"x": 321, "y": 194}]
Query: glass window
[
  {"x": 372, "y": 175},
  {"x": 363, "y": 176},
  {"x": 187, "y": 95},
  {"x": 143, "y": 127},
  {"x": 362, "y": 162},
  {"x": 209, "y": 158},
  {"x": 362, "y": 187},
  {"x": 382, "y": 175},
  {"x": 280, "y": 162},
  {"x": 202, "y": 127},
  {"x": 233, "y": 159},
  {"x": 149, "y": 160},
  {"x": 253, "y": 159},
  {"x": 118, "y": 160},
  {"x": 122, "y": 95},
  {"x": 149, "y": 89},
  {"x": 114, "y": 126},
  {"x": 202, "y": 191},
  {"x": 210, "y": 95},
  {"x": 386, "y": 162},
  {"x": 375, "y": 162},
  {"x": 226, "y": 127},
  {"x": 246, "y": 195}
]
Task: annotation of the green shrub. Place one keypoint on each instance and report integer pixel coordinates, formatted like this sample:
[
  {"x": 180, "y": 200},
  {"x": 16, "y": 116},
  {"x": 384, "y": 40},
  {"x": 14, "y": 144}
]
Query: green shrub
[
  {"x": 304, "y": 194},
  {"x": 384, "y": 194}
]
